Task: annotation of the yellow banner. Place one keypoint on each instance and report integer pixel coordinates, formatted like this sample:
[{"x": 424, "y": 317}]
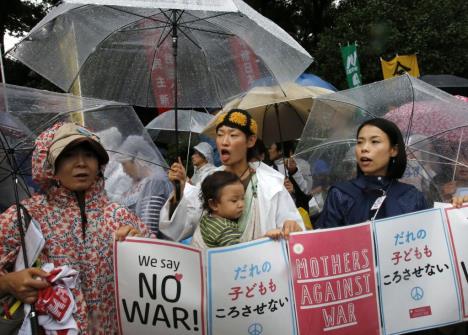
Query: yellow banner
[{"x": 400, "y": 65}]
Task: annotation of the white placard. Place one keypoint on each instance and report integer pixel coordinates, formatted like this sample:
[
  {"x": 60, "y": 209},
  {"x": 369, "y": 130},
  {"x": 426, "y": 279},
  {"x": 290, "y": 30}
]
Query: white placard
[
  {"x": 457, "y": 220},
  {"x": 418, "y": 287},
  {"x": 159, "y": 287},
  {"x": 249, "y": 289}
]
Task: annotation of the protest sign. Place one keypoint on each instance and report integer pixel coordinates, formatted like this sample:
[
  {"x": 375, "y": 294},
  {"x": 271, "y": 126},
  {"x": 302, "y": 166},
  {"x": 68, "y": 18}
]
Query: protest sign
[
  {"x": 249, "y": 289},
  {"x": 334, "y": 281},
  {"x": 159, "y": 287},
  {"x": 418, "y": 288},
  {"x": 457, "y": 220}
]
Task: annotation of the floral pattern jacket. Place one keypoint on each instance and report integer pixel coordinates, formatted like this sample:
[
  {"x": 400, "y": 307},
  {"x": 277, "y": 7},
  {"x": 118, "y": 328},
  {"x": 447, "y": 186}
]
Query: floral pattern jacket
[{"x": 90, "y": 251}]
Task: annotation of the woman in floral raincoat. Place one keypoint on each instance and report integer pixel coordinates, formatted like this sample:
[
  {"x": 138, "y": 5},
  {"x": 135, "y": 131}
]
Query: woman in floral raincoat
[{"x": 77, "y": 221}]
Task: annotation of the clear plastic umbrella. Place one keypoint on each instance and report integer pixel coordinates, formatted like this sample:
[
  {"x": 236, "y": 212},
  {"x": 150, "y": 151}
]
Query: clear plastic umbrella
[
  {"x": 32, "y": 111},
  {"x": 434, "y": 125},
  {"x": 190, "y": 122},
  {"x": 124, "y": 51}
]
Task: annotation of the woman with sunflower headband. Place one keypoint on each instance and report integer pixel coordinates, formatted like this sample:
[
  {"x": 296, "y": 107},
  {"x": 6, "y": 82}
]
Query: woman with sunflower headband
[{"x": 269, "y": 209}]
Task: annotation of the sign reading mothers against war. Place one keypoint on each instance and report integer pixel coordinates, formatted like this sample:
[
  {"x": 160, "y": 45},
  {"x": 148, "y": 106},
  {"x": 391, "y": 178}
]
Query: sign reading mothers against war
[
  {"x": 334, "y": 281},
  {"x": 249, "y": 289},
  {"x": 159, "y": 287},
  {"x": 418, "y": 288},
  {"x": 457, "y": 220}
]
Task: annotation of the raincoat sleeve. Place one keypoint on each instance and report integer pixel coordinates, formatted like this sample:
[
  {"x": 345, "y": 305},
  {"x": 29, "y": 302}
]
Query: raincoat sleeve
[
  {"x": 9, "y": 239},
  {"x": 334, "y": 210},
  {"x": 300, "y": 180},
  {"x": 286, "y": 209},
  {"x": 123, "y": 217},
  {"x": 152, "y": 198},
  {"x": 186, "y": 216}
]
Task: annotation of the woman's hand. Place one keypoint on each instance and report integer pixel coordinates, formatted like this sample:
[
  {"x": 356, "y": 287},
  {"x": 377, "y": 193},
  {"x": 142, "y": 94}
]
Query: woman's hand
[
  {"x": 459, "y": 200},
  {"x": 290, "y": 226},
  {"x": 177, "y": 173},
  {"x": 124, "y": 231},
  {"x": 24, "y": 284},
  {"x": 274, "y": 234},
  {"x": 288, "y": 185}
]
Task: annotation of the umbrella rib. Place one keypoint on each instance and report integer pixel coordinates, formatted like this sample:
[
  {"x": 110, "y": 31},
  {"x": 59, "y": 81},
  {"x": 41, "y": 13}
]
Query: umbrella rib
[
  {"x": 99, "y": 44},
  {"x": 139, "y": 15},
  {"x": 348, "y": 103},
  {"x": 198, "y": 19},
  {"x": 207, "y": 31},
  {"x": 142, "y": 29},
  {"x": 324, "y": 145},
  {"x": 189, "y": 38},
  {"x": 295, "y": 112}
]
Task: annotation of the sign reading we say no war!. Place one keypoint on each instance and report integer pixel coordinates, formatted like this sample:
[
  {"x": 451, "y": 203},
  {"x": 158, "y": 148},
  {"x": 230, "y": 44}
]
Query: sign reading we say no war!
[
  {"x": 334, "y": 281},
  {"x": 418, "y": 288},
  {"x": 159, "y": 287}
]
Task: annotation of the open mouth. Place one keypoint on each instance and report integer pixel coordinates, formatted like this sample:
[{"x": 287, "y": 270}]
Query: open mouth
[
  {"x": 365, "y": 161},
  {"x": 81, "y": 175},
  {"x": 225, "y": 154}
]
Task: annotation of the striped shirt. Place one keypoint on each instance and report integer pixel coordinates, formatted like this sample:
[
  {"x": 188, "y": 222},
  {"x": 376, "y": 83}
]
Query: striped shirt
[{"x": 219, "y": 232}]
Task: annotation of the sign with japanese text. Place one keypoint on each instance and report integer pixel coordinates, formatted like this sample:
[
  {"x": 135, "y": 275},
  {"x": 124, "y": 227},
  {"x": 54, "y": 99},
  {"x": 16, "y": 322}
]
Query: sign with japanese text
[
  {"x": 351, "y": 65},
  {"x": 457, "y": 220},
  {"x": 249, "y": 289},
  {"x": 159, "y": 287},
  {"x": 415, "y": 263},
  {"x": 334, "y": 281}
]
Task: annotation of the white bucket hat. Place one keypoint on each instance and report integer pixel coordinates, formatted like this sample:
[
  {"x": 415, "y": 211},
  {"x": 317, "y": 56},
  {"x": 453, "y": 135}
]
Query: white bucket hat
[{"x": 206, "y": 150}]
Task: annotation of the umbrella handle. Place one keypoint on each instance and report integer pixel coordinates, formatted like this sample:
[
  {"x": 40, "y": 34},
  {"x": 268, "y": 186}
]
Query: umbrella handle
[{"x": 177, "y": 190}]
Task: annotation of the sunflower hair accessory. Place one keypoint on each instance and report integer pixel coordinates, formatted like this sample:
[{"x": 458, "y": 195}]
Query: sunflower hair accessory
[{"x": 239, "y": 119}]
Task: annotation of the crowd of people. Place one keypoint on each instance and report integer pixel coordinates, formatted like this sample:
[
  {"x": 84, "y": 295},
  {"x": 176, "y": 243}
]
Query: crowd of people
[{"x": 241, "y": 200}]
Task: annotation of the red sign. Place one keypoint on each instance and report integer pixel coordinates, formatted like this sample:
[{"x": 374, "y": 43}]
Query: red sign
[{"x": 334, "y": 281}]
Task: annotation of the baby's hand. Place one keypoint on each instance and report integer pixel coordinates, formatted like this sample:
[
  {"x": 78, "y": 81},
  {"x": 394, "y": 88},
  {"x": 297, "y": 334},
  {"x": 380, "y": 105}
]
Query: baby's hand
[{"x": 274, "y": 234}]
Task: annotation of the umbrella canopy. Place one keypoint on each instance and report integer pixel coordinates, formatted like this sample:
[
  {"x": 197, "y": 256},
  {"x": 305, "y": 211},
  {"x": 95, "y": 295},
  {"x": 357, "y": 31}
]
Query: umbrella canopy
[
  {"x": 32, "y": 111},
  {"x": 125, "y": 51},
  {"x": 190, "y": 122},
  {"x": 448, "y": 83},
  {"x": 280, "y": 111},
  {"x": 309, "y": 79},
  {"x": 433, "y": 124}
]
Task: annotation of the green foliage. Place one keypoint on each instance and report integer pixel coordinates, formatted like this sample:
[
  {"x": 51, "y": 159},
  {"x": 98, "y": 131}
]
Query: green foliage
[{"x": 436, "y": 30}]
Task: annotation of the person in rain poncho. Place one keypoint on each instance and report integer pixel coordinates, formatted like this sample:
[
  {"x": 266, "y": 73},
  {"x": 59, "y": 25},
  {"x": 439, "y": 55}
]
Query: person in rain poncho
[
  {"x": 202, "y": 160},
  {"x": 150, "y": 186},
  {"x": 77, "y": 221},
  {"x": 268, "y": 205},
  {"x": 376, "y": 192}
]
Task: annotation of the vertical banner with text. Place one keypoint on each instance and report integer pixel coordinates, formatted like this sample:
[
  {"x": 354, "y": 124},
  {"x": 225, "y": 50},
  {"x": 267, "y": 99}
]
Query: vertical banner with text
[
  {"x": 351, "y": 65},
  {"x": 418, "y": 289},
  {"x": 457, "y": 220},
  {"x": 334, "y": 281},
  {"x": 159, "y": 287},
  {"x": 249, "y": 289}
]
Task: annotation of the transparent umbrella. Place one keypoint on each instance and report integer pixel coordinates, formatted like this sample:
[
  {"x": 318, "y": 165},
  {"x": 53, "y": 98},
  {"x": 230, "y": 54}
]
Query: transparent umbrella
[
  {"x": 434, "y": 125},
  {"x": 135, "y": 51}
]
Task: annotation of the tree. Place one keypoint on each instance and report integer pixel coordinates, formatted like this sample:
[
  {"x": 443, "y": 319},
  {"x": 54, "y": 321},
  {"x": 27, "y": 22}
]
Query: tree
[
  {"x": 17, "y": 18},
  {"x": 435, "y": 30}
]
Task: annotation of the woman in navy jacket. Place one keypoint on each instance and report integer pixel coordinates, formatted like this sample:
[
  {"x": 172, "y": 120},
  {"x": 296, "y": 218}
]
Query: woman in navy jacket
[{"x": 381, "y": 161}]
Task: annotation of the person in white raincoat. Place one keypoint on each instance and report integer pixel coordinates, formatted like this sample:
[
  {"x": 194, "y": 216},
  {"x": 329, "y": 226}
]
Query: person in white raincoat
[
  {"x": 202, "y": 160},
  {"x": 268, "y": 205}
]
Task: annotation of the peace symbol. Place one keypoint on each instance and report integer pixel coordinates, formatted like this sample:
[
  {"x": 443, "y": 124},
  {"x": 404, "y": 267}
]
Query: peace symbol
[
  {"x": 255, "y": 329},
  {"x": 417, "y": 293}
]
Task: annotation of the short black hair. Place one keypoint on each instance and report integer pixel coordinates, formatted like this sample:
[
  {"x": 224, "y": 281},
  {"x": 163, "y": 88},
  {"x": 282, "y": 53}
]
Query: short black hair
[
  {"x": 213, "y": 184},
  {"x": 397, "y": 166}
]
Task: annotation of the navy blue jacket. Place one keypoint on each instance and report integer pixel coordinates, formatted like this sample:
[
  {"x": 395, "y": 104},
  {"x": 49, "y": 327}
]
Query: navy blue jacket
[{"x": 350, "y": 202}]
